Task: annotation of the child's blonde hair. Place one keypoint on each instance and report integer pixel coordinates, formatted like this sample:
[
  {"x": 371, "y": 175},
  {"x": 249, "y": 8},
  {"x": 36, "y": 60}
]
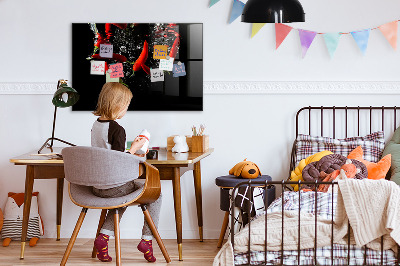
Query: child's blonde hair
[{"x": 112, "y": 99}]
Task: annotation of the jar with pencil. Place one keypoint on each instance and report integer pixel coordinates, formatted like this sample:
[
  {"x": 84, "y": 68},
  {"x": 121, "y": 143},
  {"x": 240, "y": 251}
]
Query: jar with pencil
[{"x": 199, "y": 140}]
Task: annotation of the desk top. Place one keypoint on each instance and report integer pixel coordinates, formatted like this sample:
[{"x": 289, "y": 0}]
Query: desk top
[{"x": 164, "y": 157}]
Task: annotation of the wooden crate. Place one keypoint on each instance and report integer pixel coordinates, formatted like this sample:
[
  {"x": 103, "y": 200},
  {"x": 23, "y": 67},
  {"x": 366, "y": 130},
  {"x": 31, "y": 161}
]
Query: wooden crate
[
  {"x": 200, "y": 143},
  {"x": 171, "y": 143}
]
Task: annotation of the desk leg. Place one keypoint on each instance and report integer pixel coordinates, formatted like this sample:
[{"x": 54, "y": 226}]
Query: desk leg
[
  {"x": 27, "y": 206},
  {"x": 60, "y": 190},
  {"x": 199, "y": 204},
  {"x": 176, "y": 182}
]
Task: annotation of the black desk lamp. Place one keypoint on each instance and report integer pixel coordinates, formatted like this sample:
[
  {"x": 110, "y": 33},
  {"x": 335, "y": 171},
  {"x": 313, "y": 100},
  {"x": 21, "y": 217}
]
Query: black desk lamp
[
  {"x": 273, "y": 11},
  {"x": 64, "y": 97}
]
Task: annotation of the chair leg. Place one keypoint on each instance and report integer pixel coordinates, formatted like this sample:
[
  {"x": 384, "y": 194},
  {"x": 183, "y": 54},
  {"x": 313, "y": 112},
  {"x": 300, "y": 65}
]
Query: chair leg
[
  {"x": 117, "y": 238},
  {"x": 154, "y": 230},
  {"x": 223, "y": 229},
  {"x": 73, "y": 237},
  {"x": 101, "y": 222}
]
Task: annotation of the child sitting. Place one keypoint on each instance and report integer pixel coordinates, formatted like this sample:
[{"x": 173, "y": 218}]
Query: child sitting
[{"x": 113, "y": 103}]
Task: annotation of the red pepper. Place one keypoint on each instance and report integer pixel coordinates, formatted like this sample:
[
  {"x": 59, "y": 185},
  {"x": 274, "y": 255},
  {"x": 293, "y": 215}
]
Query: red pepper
[
  {"x": 108, "y": 31},
  {"x": 174, "y": 49},
  {"x": 121, "y": 25},
  {"x": 119, "y": 57},
  {"x": 100, "y": 40},
  {"x": 140, "y": 63}
]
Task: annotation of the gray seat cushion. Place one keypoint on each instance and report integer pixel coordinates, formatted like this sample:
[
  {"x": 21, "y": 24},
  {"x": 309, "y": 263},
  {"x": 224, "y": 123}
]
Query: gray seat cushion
[{"x": 83, "y": 196}]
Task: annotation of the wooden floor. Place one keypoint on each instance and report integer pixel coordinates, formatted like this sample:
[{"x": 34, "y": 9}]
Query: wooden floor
[{"x": 50, "y": 252}]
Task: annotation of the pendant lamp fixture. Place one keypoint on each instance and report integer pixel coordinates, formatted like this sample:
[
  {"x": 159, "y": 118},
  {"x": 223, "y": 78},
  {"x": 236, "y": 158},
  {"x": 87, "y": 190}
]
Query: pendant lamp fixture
[{"x": 273, "y": 11}]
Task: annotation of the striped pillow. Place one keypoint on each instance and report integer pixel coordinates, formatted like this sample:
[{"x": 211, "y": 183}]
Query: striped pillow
[{"x": 372, "y": 145}]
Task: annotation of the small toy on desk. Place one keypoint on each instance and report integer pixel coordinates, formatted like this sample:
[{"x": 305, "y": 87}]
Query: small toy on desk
[
  {"x": 13, "y": 215},
  {"x": 245, "y": 169},
  {"x": 180, "y": 144}
]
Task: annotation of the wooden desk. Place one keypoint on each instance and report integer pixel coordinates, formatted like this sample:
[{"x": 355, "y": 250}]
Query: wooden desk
[{"x": 171, "y": 167}]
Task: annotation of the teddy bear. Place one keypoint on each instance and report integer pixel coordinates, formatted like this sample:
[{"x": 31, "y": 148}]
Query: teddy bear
[
  {"x": 180, "y": 144},
  {"x": 13, "y": 215},
  {"x": 245, "y": 169}
]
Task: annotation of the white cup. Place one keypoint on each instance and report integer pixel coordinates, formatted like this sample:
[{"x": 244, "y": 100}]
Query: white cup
[{"x": 144, "y": 134}]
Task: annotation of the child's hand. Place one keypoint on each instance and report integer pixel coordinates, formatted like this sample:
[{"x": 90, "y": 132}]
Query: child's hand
[
  {"x": 137, "y": 144},
  {"x": 143, "y": 155}
]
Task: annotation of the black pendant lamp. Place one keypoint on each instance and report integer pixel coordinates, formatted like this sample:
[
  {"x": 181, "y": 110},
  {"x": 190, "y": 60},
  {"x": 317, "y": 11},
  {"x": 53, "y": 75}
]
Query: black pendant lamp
[{"x": 273, "y": 11}]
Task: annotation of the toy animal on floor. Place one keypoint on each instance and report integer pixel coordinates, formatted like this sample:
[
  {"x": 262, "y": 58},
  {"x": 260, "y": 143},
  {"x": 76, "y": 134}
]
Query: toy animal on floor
[
  {"x": 13, "y": 215},
  {"x": 245, "y": 169},
  {"x": 180, "y": 144}
]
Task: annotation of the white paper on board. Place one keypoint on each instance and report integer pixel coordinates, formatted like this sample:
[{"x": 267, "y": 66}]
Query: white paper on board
[
  {"x": 167, "y": 64},
  {"x": 156, "y": 75},
  {"x": 97, "y": 67},
  {"x": 106, "y": 50},
  {"x": 110, "y": 79}
]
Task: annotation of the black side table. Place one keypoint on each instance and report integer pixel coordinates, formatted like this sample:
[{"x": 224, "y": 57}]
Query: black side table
[{"x": 226, "y": 183}]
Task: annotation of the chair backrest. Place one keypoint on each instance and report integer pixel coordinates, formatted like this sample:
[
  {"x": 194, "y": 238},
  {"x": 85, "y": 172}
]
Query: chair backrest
[{"x": 91, "y": 166}]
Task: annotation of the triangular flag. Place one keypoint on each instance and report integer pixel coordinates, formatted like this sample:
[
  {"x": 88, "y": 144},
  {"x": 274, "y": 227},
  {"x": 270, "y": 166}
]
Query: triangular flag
[
  {"x": 306, "y": 39},
  {"x": 332, "y": 41},
  {"x": 213, "y": 2},
  {"x": 390, "y": 32},
  {"x": 281, "y": 31},
  {"x": 237, "y": 9},
  {"x": 361, "y": 37},
  {"x": 256, "y": 28}
]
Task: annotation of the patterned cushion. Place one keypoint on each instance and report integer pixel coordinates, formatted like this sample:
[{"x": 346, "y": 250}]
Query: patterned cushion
[{"x": 372, "y": 144}]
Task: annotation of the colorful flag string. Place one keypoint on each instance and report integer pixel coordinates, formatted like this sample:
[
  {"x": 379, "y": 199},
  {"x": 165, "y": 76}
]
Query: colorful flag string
[{"x": 361, "y": 37}]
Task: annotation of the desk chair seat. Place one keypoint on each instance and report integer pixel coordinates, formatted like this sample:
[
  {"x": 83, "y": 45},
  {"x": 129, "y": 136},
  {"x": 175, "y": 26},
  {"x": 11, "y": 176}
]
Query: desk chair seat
[
  {"x": 83, "y": 196},
  {"x": 85, "y": 167}
]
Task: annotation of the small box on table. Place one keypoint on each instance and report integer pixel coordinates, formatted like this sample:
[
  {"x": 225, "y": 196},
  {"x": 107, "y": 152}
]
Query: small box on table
[{"x": 200, "y": 143}]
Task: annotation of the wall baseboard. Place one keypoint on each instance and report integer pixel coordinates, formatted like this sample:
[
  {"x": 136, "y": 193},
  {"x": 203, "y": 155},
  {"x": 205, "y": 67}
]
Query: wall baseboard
[{"x": 246, "y": 87}]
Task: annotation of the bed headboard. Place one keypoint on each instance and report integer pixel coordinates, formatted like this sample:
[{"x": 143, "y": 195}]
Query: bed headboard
[{"x": 344, "y": 121}]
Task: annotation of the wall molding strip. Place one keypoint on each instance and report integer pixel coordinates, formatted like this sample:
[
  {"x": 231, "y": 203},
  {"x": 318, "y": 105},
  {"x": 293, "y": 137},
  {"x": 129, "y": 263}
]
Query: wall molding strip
[{"x": 244, "y": 87}]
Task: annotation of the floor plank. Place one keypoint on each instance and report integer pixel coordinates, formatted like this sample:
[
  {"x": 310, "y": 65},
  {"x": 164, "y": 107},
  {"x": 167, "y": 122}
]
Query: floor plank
[{"x": 50, "y": 252}]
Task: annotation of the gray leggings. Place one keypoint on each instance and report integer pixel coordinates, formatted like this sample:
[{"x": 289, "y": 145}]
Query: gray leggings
[{"x": 154, "y": 208}]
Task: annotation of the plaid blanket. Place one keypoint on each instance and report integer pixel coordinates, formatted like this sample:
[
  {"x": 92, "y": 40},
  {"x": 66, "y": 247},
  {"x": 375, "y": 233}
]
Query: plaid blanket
[
  {"x": 324, "y": 257},
  {"x": 323, "y": 205}
]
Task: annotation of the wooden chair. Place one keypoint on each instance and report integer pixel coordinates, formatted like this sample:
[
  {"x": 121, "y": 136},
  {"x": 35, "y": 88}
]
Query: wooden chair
[{"x": 85, "y": 167}]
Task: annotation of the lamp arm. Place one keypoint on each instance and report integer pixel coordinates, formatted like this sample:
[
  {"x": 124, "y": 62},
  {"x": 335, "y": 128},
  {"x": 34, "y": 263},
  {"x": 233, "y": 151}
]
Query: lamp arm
[{"x": 54, "y": 126}]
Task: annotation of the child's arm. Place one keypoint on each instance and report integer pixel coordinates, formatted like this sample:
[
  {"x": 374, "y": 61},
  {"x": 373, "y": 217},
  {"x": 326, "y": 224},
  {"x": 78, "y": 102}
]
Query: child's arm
[{"x": 136, "y": 145}]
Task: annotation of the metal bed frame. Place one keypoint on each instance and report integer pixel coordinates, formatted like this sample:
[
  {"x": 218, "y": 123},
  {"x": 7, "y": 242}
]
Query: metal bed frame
[{"x": 283, "y": 184}]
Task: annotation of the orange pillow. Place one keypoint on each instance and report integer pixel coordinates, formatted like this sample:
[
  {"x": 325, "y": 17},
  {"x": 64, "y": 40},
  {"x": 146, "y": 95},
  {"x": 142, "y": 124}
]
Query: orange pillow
[{"x": 375, "y": 170}]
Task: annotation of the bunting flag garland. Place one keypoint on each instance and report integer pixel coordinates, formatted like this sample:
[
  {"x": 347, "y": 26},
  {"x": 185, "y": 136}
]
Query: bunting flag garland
[
  {"x": 237, "y": 9},
  {"x": 213, "y": 2},
  {"x": 281, "y": 31},
  {"x": 361, "y": 38},
  {"x": 306, "y": 39},
  {"x": 332, "y": 41},
  {"x": 389, "y": 30},
  {"x": 256, "y": 28}
]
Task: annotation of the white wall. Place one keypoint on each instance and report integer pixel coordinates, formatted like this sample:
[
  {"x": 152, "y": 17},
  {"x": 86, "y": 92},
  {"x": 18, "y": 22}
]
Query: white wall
[{"x": 36, "y": 47}]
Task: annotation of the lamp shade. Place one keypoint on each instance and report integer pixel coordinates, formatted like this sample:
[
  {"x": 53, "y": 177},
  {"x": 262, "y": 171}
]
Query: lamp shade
[
  {"x": 273, "y": 11},
  {"x": 65, "y": 96}
]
